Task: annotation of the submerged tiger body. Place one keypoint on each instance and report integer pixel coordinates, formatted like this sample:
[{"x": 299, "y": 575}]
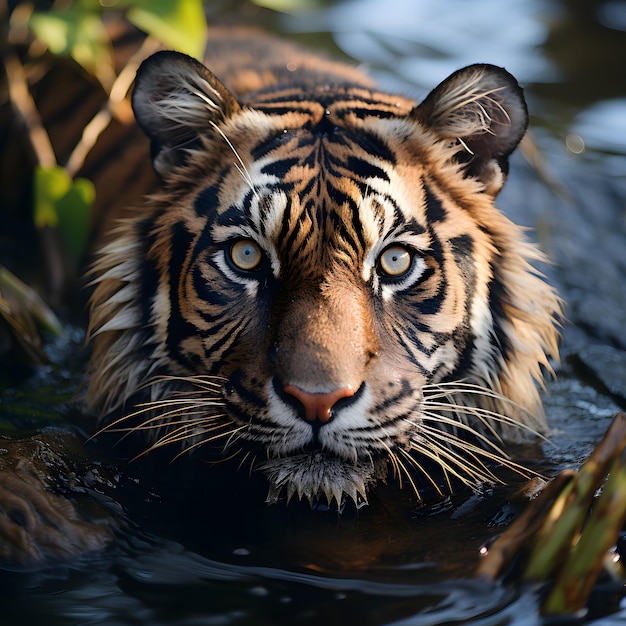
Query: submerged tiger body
[{"x": 322, "y": 286}]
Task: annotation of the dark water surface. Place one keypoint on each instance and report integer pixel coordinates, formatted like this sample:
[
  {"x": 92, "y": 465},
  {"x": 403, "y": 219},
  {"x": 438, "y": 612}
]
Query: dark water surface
[{"x": 193, "y": 556}]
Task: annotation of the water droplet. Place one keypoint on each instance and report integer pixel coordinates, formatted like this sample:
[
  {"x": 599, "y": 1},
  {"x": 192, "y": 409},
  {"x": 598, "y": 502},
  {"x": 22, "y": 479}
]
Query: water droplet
[
  {"x": 259, "y": 591},
  {"x": 575, "y": 143}
]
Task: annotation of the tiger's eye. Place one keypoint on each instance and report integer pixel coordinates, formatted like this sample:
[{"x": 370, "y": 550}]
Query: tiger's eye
[
  {"x": 246, "y": 255},
  {"x": 395, "y": 261}
]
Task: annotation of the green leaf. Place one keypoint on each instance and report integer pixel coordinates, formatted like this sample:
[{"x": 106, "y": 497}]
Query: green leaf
[
  {"x": 179, "y": 24},
  {"x": 51, "y": 184},
  {"x": 289, "y": 6},
  {"x": 64, "y": 204},
  {"x": 77, "y": 32},
  {"x": 74, "y": 211}
]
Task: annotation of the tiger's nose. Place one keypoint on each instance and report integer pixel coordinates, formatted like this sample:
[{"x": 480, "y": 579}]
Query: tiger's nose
[{"x": 318, "y": 406}]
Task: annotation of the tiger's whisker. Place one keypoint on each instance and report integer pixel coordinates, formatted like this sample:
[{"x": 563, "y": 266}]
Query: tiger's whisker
[
  {"x": 156, "y": 422},
  {"x": 407, "y": 473},
  {"x": 181, "y": 436},
  {"x": 433, "y": 450},
  {"x": 495, "y": 454},
  {"x": 413, "y": 461},
  {"x": 436, "y": 418}
]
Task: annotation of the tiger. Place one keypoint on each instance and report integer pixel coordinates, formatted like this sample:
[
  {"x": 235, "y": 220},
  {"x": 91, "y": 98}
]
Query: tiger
[{"x": 321, "y": 286}]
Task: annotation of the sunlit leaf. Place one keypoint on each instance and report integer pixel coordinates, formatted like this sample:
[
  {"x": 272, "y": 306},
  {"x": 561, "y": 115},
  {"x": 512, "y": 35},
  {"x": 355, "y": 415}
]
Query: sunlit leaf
[
  {"x": 288, "y": 6},
  {"x": 64, "y": 204},
  {"x": 74, "y": 211},
  {"x": 51, "y": 184},
  {"x": 53, "y": 30},
  {"x": 179, "y": 24},
  {"x": 79, "y": 33}
]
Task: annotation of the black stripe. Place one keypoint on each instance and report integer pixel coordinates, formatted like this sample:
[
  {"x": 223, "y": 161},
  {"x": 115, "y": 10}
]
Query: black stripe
[
  {"x": 409, "y": 351},
  {"x": 178, "y": 328},
  {"x": 243, "y": 396},
  {"x": 210, "y": 295},
  {"x": 405, "y": 391},
  {"x": 208, "y": 200},
  {"x": 227, "y": 338},
  {"x": 338, "y": 197},
  {"x": 371, "y": 144},
  {"x": 435, "y": 211},
  {"x": 463, "y": 251},
  {"x": 280, "y": 167},
  {"x": 270, "y": 144},
  {"x": 497, "y": 296},
  {"x": 288, "y": 109},
  {"x": 363, "y": 113},
  {"x": 432, "y": 305},
  {"x": 286, "y": 219},
  {"x": 365, "y": 169}
]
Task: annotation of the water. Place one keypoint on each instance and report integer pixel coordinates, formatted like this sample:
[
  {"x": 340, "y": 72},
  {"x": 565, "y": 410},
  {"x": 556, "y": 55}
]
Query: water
[{"x": 189, "y": 554}]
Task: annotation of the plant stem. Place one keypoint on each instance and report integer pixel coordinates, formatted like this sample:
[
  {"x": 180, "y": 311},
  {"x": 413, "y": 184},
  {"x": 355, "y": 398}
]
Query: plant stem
[
  {"x": 113, "y": 106},
  {"x": 27, "y": 109}
]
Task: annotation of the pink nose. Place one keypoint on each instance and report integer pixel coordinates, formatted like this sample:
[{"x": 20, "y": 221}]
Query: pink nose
[{"x": 317, "y": 406}]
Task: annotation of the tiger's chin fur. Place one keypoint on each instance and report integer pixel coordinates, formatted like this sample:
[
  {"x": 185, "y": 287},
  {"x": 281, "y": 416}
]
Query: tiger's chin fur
[
  {"x": 318, "y": 477},
  {"x": 322, "y": 287}
]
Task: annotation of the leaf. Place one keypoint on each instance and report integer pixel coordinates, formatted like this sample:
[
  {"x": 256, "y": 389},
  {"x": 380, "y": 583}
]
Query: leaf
[
  {"x": 74, "y": 212},
  {"x": 289, "y": 6},
  {"x": 51, "y": 184},
  {"x": 179, "y": 24},
  {"x": 64, "y": 204},
  {"x": 79, "y": 33}
]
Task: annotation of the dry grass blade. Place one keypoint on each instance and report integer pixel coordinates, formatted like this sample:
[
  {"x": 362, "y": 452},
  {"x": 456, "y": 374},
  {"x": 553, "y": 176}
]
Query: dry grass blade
[
  {"x": 584, "y": 563},
  {"x": 563, "y": 524},
  {"x": 502, "y": 551},
  {"x": 25, "y": 314},
  {"x": 567, "y": 543}
]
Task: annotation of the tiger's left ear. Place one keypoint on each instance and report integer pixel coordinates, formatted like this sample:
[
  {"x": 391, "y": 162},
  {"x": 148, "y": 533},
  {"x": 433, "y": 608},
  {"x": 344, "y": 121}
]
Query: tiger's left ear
[
  {"x": 483, "y": 108},
  {"x": 176, "y": 100}
]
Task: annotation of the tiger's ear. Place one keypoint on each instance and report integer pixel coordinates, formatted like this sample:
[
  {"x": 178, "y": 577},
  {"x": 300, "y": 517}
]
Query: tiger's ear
[
  {"x": 483, "y": 108},
  {"x": 176, "y": 100}
]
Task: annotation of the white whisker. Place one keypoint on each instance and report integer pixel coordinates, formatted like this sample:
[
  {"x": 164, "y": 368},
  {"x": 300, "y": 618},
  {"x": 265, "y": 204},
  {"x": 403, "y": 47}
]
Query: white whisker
[
  {"x": 241, "y": 166},
  {"x": 413, "y": 461}
]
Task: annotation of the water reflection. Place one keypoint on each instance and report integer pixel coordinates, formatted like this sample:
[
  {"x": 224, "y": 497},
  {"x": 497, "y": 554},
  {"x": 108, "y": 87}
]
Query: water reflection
[
  {"x": 162, "y": 583},
  {"x": 603, "y": 125},
  {"x": 422, "y": 42},
  {"x": 568, "y": 54}
]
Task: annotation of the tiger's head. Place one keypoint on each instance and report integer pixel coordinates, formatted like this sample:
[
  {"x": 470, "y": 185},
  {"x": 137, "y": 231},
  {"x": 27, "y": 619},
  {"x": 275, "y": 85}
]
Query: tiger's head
[{"x": 322, "y": 285}]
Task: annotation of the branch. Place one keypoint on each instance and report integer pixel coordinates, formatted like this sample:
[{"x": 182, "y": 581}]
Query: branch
[
  {"x": 26, "y": 108},
  {"x": 113, "y": 106}
]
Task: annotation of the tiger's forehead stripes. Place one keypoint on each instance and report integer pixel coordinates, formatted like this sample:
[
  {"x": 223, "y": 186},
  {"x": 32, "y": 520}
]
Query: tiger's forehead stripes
[
  {"x": 337, "y": 103},
  {"x": 299, "y": 181}
]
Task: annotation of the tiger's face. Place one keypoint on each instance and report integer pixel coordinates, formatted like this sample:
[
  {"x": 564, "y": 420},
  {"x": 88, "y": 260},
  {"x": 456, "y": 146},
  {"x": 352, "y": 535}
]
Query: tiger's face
[{"x": 323, "y": 285}]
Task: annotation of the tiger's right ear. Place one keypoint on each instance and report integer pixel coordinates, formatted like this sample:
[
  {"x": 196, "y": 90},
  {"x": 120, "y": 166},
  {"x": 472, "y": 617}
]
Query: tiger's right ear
[{"x": 176, "y": 100}]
